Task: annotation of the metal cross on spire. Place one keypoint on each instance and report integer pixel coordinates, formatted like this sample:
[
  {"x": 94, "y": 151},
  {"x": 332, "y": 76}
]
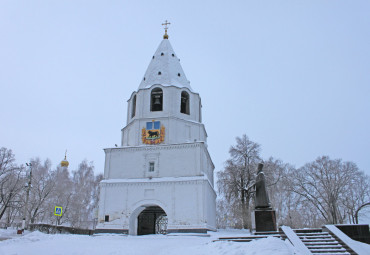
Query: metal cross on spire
[{"x": 165, "y": 24}]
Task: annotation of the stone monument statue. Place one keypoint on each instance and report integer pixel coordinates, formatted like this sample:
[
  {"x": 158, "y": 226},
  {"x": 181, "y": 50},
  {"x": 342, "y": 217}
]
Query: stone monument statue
[
  {"x": 264, "y": 215},
  {"x": 262, "y": 198}
]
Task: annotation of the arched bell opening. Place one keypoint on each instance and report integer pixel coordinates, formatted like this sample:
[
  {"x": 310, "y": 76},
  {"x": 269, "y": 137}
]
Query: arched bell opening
[
  {"x": 133, "y": 107},
  {"x": 152, "y": 220},
  {"x": 156, "y": 100},
  {"x": 184, "y": 108}
]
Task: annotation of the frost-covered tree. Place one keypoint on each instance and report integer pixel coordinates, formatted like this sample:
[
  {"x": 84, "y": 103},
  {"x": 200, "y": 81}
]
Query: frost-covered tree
[
  {"x": 77, "y": 194},
  {"x": 42, "y": 187},
  {"x": 11, "y": 181},
  {"x": 325, "y": 184},
  {"x": 235, "y": 182},
  {"x": 357, "y": 195},
  {"x": 96, "y": 195},
  {"x": 276, "y": 173},
  {"x": 61, "y": 196},
  {"x": 81, "y": 206}
]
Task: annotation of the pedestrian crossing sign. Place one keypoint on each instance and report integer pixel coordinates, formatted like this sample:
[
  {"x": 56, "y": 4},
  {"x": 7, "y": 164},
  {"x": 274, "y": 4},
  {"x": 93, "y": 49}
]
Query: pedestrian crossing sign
[{"x": 58, "y": 211}]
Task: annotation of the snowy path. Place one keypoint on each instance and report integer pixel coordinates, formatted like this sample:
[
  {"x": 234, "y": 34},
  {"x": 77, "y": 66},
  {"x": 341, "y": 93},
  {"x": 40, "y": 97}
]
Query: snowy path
[{"x": 37, "y": 243}]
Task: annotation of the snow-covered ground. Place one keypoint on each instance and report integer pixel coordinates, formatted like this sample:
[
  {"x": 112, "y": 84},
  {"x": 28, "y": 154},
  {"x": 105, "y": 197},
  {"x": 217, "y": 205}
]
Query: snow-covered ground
[{"x": 36, "y": 243}]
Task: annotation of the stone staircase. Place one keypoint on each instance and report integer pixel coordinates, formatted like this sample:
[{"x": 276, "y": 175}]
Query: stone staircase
[
  {"x": 307, "y": 241},
  {"x": 323, "y": 243}
]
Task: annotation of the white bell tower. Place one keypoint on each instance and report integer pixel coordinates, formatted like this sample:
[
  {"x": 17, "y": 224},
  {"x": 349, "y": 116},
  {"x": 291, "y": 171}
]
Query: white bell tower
[{"x": 160, "y": 180}]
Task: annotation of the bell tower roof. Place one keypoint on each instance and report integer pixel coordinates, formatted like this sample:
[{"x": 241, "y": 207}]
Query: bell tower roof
[{"x": 165, "y": 68}]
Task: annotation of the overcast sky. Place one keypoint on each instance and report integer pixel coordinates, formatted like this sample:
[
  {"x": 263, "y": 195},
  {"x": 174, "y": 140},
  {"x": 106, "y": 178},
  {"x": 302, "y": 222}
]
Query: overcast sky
[{"x": 292, "y": 75}]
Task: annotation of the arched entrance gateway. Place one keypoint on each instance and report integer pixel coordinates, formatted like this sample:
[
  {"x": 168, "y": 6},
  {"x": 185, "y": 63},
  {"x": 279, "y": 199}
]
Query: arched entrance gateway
[{"x": 152, "y": 220}]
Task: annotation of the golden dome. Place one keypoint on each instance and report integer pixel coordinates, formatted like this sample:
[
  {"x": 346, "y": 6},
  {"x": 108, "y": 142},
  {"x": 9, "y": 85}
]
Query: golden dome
[{"x": 64, "y": 162}]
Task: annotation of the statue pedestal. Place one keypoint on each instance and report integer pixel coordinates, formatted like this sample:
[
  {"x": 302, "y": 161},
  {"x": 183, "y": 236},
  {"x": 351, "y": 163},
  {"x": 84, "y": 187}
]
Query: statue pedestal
[{"x": 265, "y": 220}]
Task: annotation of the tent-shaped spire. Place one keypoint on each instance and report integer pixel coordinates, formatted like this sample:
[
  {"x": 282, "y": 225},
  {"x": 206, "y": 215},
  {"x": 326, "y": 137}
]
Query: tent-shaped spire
[{"x": 165, "y": 69}]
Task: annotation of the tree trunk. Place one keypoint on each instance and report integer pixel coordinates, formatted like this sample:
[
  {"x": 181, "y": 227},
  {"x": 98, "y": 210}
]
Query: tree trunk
[{"x": 6, "y": 204}]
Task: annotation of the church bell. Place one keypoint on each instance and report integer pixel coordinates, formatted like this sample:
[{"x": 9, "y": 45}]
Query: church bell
[{"x": 157, "y": 101}]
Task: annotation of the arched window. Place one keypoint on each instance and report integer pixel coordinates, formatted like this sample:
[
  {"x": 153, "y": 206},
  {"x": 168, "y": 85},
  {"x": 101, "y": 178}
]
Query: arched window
[
  {"x": 185, "y": 103},
  {"x": 133, "y": 107},
  {"x": 156, "y": 100}
]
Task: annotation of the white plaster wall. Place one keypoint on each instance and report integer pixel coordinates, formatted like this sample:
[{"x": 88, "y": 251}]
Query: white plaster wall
[
  {"x": 188, "y": 204},
  {"x": 189, "y": 159}
]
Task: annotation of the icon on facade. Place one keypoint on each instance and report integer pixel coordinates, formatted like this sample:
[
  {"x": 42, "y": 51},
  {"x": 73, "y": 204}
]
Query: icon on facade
[{"x": 153, "y": 133}]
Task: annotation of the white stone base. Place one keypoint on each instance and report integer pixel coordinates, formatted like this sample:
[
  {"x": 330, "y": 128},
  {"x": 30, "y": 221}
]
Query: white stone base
[{"x": 189, "y": 203}]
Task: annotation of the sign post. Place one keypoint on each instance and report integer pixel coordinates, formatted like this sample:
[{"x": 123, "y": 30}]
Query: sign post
[{"x": 57, "y": 212}]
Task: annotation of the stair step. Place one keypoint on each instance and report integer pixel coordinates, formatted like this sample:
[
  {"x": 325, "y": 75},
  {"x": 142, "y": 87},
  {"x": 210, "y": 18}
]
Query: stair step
[
  {"x": 332, "y": 253},
  {"x": 308, "y": 230},
  {"x": 330, "y": 250},
  {"x": 321, "y": 243},
  {"x": 322, "y": 246},
  {"x": 318, "y": 240},
  {"x": 315, "y": 237},
  {"x": 269, "y": 233},
  {"x": 244, "y": 237},
  {"x": 312, "y": 234},
  {"x": 241, "y": 240}
]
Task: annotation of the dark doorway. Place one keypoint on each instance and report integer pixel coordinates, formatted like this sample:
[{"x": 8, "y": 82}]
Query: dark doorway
[{"x": 153, "y": 220}]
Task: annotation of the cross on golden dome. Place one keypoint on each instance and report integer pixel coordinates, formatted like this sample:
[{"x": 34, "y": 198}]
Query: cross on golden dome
[
  {"x": 165, "y": 24},
  {"x": 64, "y": 162}
]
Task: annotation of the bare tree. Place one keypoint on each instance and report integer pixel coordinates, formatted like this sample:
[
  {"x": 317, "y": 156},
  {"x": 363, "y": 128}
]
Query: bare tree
[
  {"x": 357, "y": 195},
  {"x": 83, "y": 190},
  {"x": 61, "y": 196},
  {"x": 96, "y": 194},
  {"x": 235, "y": 182},
  {"x": 77, "y": 194},
  {"x": 11, "y": 181},
  {"x": 42, "y": 187},
  {"x": 324, "y": 183},
  {"x": 276, "y": 173}
]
